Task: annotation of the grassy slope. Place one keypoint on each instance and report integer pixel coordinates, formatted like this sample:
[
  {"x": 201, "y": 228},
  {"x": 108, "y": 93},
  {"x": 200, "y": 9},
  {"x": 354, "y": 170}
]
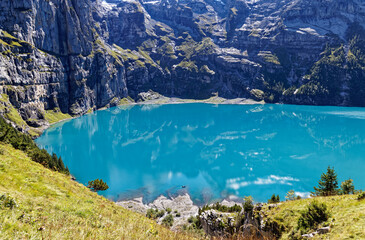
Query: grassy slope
[
  {"x": 347, "y": 216},
  {"x": 64, "y": 208},
  {"x": 68, "y": 210},
  {"x": 53, "y": 116}
]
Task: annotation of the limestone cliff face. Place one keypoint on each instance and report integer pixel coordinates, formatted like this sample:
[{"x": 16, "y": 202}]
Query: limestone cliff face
[
  {"x": 79, "y": 55},
  {"x": 52, "y": 57}
]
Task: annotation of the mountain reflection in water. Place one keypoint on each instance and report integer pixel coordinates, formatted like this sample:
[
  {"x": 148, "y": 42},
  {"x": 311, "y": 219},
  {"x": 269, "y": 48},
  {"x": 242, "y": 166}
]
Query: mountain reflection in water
[{"x": 214, "y": 150}]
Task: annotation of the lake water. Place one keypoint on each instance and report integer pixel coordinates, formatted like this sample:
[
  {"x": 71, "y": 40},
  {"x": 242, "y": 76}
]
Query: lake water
[{"x": 215, "y": 151}]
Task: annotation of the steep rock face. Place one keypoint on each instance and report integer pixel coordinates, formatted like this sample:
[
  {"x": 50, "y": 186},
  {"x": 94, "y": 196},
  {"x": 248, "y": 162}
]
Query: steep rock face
[
  {"x": 86, "y": 54},
  {"x": 56, "y": 60}
]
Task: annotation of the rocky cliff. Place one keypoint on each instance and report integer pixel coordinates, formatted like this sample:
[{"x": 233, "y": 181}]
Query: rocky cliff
[{"x": 72, "y": 56}]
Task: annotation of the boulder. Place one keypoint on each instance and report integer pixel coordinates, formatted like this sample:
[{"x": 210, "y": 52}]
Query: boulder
[{"x": 323, "y": 230}]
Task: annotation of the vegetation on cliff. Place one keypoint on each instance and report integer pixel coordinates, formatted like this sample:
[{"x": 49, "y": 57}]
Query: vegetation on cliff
[{"x": 23, "y": 142}]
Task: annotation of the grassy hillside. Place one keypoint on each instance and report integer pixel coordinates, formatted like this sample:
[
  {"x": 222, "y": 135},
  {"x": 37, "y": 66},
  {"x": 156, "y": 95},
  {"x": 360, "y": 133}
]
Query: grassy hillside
[
  {"x": 52, "y": 206},
  {"x": 347, "y": 219}
]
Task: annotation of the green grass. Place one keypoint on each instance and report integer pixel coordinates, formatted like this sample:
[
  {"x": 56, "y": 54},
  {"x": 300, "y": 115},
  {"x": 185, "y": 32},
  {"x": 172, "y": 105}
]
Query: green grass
[
  {"x": 205, "y": 69},
  {"x": 190, "y": 48},
  {"x": 13, "y": 115},
  {"x": 270, "y": 58},
  {"x": 3, "y": 43},
  {"x": 205, "y": 47},
  {"x": 126, "y": 53},
  {"x": 10, "y": 112},
  {"x": 13, "y": 43},
  {"x": 146, "y": 56},
  {"x": 347, "y": 219},
  {"x": 124, "y": 101},
  {"x": 7, "y": 35},
  {"x": 52, "y": 206},
  {"x": 53, "y": 116},
  {"x": 188, "y": 65}
]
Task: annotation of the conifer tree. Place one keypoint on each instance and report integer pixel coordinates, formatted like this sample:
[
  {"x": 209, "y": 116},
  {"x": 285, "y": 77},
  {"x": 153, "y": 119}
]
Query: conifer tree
[
  {"x": 327, "y": 185},
  {"x": 274, "y": 199},
  {"x": 61, "y": 164},
  {"x": 290, "y": 196},
  {"x": 98, "y": 185}
]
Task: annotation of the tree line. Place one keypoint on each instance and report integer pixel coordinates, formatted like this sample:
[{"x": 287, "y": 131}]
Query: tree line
[
  {"x": 23, "y": 142},
  {"x": 327, "y": 186}
]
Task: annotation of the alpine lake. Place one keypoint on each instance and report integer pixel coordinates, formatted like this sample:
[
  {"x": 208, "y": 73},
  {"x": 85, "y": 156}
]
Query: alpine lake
[{"x": 211, "y": 151}]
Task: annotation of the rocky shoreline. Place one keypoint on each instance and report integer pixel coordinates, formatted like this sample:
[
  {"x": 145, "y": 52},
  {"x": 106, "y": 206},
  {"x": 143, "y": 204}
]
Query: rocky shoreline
[
  {"x": 151, "y": 97},
  {"x": 182, "y": 206},
  {"x": 211, "y": 221},
  {"x": 225, "y": 219}
]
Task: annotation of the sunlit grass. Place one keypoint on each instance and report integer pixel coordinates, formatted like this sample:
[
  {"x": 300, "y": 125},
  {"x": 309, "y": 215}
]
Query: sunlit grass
[
  {"x": 53, "y": 116},
  {"x": 347, "y": 219}
]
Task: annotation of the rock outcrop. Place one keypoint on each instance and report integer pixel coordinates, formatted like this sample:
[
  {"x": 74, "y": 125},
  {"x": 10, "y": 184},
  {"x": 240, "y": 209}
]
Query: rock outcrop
[
  {"x": 181, "y": 207},
  {"x": 87, "y": 54}
]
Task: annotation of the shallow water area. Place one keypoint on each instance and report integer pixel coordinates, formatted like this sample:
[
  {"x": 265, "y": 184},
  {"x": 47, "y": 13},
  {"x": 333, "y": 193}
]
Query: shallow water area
[{"x": 215, "y": 151}]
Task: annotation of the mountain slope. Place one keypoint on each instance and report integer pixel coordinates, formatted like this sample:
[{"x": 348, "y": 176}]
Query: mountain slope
[
  {"x": 72, "y": 56},
  {"x": 52, "y": 206}
]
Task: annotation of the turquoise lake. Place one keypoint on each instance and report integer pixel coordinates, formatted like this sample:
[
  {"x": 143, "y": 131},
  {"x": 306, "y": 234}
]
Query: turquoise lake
[{"x": 216, "y": 151}]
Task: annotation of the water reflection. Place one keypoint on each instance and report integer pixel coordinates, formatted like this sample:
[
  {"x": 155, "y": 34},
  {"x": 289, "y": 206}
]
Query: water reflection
[{"x": 215, "y": 151}]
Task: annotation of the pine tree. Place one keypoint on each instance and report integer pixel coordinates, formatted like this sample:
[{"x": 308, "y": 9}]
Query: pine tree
[
  {"x": 98, "y": 185},
  {"x": 290, "y": 196},
  {"x": 327, "y": 185},
  {"x": 54, "y": 161},
  {"x": 274, "y": 199},
  {"x": 61, "y": 164}
]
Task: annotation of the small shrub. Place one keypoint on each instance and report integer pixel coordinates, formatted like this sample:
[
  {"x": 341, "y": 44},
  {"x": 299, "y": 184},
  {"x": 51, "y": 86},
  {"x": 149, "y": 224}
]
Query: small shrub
[
  {"x": 275, "y": 227},
  {"x": 7, "y": 202},
  {"x": 160, "y": 214},
  {"x": 347, "y": 187},
  {"x": 361, "y": 196},
  {"x": 151, "y": 213},
  {"x": 178, "y": 214},
  {"x": 313, "y": 215},
  {"x": 195, "y": 222},
  {"x": 175, "y": 211},
  {"x": 97, "y": 185},
  {"x": 222, "y": 208},
  {"x": 168, "y": 220},
  {"x": 235, "y": 208},
  {"x": 154, "y": 213},
  {"x": 168, "y": 210},
  {"x": 248, "y": 204}
]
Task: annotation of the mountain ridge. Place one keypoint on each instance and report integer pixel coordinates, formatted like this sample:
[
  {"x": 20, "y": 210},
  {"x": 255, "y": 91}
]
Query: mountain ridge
[{"x": 74, "y": 56}]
